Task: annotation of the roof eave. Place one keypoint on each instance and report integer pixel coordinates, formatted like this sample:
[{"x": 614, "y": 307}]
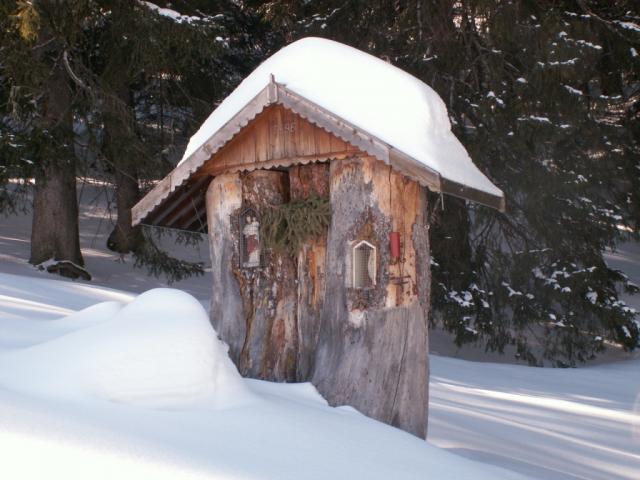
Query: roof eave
[
  {"x": 473, "y": 194},
  {"x": 275, "y": 93},
  {"x": 185, "y": 169}
]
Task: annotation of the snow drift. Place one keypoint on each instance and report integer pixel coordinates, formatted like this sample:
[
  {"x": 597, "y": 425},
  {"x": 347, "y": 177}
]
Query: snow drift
[
  {"x": 135, "y": 388},
  {"x": 157, "y": 351}
]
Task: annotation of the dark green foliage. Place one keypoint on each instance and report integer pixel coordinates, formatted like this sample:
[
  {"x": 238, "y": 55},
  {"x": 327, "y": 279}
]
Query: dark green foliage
[
  {"x": 140, "y": 84},
  {"x": 160, "y": 263},
  {"x": 546, "y": 98},
  {"x": 287, "y": 227}
]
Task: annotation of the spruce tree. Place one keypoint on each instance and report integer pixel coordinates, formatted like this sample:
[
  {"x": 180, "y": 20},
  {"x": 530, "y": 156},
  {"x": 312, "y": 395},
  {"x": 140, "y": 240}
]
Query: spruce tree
[
  {"x": 39, "y": 111},
  {"x": 545, "y": 96},
  {"x": 139, "y": 78}
]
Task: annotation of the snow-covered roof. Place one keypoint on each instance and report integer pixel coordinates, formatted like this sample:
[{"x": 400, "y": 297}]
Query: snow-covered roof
[
  {"x": 371, "y": 94},
  {"x": 397, "y": 114}
]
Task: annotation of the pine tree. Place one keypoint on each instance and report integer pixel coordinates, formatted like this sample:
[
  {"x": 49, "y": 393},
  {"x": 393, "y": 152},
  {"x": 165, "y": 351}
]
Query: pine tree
[
  {"x": 545, "y": 96},
  {"x": 40, "y": 112},
  {"x": 175, "y": 66},
  {"x": 138, "y": 79}
]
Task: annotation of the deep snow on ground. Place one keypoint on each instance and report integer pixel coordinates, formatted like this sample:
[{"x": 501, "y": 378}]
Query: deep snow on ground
[
  {"x": 142, "y": 388},
  {"x": 544, "y": 423},
  {"x": 158, "y": 350},
  {"x": 548, "y": 423}
]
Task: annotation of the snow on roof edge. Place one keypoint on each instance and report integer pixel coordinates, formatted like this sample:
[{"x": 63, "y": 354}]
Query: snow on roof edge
[
  {"x": 253, "y": 93},
  {"x": 415, "y": 122}
]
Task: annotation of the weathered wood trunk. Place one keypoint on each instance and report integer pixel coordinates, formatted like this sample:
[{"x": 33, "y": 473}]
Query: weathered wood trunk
[
  {"x": 373, "y": 351},
  {"x": 307, "y": 180},
  {"x": 253, "y": 309},
  {"x": 303, "y": 319},
  {"x": 224, "y": 198},
  {"x": 268, "y": 292}
]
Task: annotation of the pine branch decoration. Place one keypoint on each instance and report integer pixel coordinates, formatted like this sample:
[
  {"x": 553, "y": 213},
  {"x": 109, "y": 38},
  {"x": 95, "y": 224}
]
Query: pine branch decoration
[{"x": 287, "y": 227}]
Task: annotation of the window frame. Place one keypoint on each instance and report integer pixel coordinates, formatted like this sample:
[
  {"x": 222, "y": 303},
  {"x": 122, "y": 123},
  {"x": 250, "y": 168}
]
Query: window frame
[{"x": 374, "y": 253}]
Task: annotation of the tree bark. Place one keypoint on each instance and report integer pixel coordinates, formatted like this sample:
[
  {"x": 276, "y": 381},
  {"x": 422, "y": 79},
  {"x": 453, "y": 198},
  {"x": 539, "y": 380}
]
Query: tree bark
[
  {"x": 125, "y": 238},
  {"x": 119, "y": 137},
  {"x": 306, "y": 180},
  {"x": 54, "y": 232},
  {"x": 224, "y": 199},
  {"x": 252, "y": 309},
  {"x": 302, "y": 319},
  {"x": 373, "y": 350},
  {"x": 269, "y": 292}
]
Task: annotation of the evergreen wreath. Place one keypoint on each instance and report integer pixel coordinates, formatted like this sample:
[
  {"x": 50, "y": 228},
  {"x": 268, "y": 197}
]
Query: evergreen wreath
[{"x": 286, "y": 227}]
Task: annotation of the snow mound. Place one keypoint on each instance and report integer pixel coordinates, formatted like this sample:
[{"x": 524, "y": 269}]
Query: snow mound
[
  {"x": 157, "y": 351},
  {"x": 373, "y": 95}
]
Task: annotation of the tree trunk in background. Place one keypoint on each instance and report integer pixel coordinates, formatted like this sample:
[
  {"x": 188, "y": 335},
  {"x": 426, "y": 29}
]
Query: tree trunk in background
[
  {"x": 373, "y": 349},
  {"x": 54, "y": 232},
  {"x": 125, "y": 238},
  {"x": 119, "y": 138}
]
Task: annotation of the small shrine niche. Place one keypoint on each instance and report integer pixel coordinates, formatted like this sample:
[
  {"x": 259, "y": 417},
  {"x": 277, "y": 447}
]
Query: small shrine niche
[
  {"x": 250, "y": 244},
  {"x": 364, "y": 265}
]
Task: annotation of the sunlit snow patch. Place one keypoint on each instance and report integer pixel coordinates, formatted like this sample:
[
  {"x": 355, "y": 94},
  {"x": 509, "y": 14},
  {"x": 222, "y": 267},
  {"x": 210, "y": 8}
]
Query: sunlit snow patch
[{"x": 158, "y": 351}]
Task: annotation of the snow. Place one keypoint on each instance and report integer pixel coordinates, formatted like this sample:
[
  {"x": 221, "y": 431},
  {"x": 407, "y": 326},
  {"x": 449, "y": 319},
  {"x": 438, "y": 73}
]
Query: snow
[
  {"x": 169, "y": 13},
  {"x": 542, "y": 423},
  {"x": 107, "y": 268},
  {"x": 498, "y": 100},
  {"x": 375, "y": 96},
  {"x": 142, "y": 388},
  {"x": 628, "y": 25},
  {"x": 551, "y": 424},
  {"x": 535, "y": 118},
  {"x": 573, "y": 91},
  {"x": 157, "y": 351}
]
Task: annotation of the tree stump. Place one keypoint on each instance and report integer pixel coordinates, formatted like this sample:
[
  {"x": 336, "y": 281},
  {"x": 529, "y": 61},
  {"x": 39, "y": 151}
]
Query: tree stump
[
  {"x": 253, "y": 309},
  {"x": 268, "y": 292},
  {"x": 372, "y": 350},
  {"x": 298, "y": 319},
  {"x": 307, "y": 180},
  {"x": 224, "y": 198}
]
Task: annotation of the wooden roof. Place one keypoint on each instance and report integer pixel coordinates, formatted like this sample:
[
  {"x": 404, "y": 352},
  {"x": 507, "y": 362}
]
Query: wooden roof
[{"x": 177, "y": 201}]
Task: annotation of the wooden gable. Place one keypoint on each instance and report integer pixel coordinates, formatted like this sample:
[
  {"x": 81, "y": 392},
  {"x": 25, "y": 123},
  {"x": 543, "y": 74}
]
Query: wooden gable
[
  {"x": 277, "y": 137},
  {"x": 278, "y": 128}
]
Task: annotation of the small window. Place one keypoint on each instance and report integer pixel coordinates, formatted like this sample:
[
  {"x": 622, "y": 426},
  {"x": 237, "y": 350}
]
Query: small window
[
  {"x": 250, "y": 248},
  {"x": 364, "y": 265}
]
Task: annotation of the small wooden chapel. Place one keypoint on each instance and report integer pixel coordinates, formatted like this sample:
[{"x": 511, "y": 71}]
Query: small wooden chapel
[{"x": 311, "y": 182}]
